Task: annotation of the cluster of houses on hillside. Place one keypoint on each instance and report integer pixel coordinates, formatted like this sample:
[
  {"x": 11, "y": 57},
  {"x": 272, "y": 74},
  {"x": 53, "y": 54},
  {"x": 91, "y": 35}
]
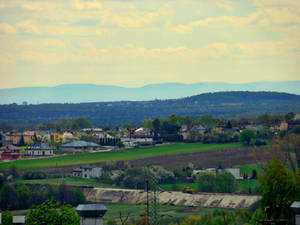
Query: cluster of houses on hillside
[{"x": 39, "y": 142}]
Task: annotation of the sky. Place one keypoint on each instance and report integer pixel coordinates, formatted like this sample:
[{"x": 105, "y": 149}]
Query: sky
[{"x": 132, "y": 43}]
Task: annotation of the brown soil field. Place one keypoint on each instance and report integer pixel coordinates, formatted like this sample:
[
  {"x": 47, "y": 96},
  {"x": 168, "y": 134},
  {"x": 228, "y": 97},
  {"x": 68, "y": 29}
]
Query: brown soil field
[
  {"x": 222, "y": 157},
  {"x": 206, "y": 159}
]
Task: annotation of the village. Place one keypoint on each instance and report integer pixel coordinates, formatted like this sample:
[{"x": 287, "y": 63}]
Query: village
[{"x": 47, "y": 143}]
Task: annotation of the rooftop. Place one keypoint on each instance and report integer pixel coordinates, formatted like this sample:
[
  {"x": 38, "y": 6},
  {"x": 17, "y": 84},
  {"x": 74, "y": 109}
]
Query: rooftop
[
  {"x": 80, "y": 144},
  {"x": 9, "y": 147},
  {"x": 39, "y": 146}
]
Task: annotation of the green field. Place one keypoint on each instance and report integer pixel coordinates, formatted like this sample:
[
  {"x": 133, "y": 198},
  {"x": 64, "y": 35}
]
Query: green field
[
  {"x": 243, "y": 186},
  {"x": 248, "y": 169},
  {"x": 170, "y": 187},
  {"x": 68, "y": 181},
  {"x": 130, "y": 154},
  {"x": 167, "y": 211}
]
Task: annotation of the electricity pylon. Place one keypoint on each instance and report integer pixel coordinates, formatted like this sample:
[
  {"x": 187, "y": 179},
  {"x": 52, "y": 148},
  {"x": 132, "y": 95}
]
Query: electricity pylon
[{"x": 152, "y": 189}]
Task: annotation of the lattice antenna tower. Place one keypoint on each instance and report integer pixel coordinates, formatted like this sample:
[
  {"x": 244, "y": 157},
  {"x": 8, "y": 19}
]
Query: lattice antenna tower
[{"x": 152, "y": 189}]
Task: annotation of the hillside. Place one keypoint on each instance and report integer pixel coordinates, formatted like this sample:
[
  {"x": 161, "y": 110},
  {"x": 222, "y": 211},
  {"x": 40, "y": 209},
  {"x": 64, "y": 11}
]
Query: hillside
[
  {"x": 220, "y": 104},
  {"x": 76, "y": 93}
]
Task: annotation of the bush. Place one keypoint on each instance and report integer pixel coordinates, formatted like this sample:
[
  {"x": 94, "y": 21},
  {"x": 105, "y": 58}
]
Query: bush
[
  {"x": 48, "y": 213},
  {"x": 173, "y": 137},
  {"x": 32, "y": 175},
  {"x": 260, "y": 142},
  {"x": 225, "y": 183},
  {"x": 106, "y": 179},
  {"x": 246, "y": 136},
  {"x": 206, "y": 182},
  {"x": 222, "y": 182}
]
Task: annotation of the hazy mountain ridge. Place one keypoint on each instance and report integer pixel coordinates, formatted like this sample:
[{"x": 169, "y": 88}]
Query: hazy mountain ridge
[
  {"x": 76, "y": 93},
  {"x": 220, "y": 104}
]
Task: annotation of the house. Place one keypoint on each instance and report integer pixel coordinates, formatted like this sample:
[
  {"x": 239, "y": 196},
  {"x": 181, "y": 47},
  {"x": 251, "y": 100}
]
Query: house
[
  {"x": 234, "y": 171},
  {"x": 56, "y": 137},
  {"x": 15, "y": 138},
  {"x": 198, "y": 129},
  {"x": 38, "y": 149},
  {"x": 142, "y": 133},
  {"x": 219, "y": 128},
  {"x": 68, "y": 137},
  {"x": 10, "y": 152},
  {"x": 254, "y": 127},
  {"x": 132, "y": 142},
  {"x": 77, "y": 146},
  {"x": 208, "y": 170},
  {"x": 284, "y": 126},
  {"x": 184, "y": 128},
  {"x": 92, "y": 131},
  {"x": 87, "y": 172}
]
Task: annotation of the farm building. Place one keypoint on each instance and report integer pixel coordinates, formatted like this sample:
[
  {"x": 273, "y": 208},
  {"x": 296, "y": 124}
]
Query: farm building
[
  {"x": 10, "y": 152},
  {"x": 39, "y": 149}
]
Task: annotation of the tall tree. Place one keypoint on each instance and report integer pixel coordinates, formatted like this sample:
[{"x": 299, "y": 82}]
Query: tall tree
[
  {"x": 207, "y": 121},
  {"x": 22, "y": 141},
  {"x": 8, "y": 197},
  {"x": 147, "y": 123},
  {"x": 278, "y": 189},
  {"x": 81, "y": 123},
  {"x": 246, "y": 136}
]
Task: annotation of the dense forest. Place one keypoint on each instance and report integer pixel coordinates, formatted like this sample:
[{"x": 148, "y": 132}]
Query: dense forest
[{"x": 220, "y": 104}]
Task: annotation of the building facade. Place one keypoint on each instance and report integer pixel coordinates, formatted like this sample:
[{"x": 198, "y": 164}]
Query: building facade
[
  {"x": 38, "y": 150},
  {"x": 10, "y": 152},
  {"x": 87, "y": 172}
]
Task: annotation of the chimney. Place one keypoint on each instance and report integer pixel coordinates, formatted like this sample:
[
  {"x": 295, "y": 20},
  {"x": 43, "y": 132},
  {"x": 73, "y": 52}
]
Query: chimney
[
  {"x": 296, "y": 207},
  {"x": 91, "y": 214}
]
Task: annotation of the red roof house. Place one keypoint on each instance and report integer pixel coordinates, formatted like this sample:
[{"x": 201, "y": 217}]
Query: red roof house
[{"x": 10, "y": 152}]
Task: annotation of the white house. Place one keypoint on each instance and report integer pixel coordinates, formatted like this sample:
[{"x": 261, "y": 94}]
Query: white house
[
  {"x": 38, "y": 150},
  {"x": 87, "y": 172}
]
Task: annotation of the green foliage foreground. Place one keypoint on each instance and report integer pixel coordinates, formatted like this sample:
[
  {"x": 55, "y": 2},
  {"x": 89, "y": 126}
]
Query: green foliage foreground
[
  {"x": 131, "y": 154},
  {"x": 279, "y": 189},
  {"x": 50, "y": 213}
]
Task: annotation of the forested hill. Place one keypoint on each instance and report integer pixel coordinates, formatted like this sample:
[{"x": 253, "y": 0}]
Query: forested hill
[{"x": 220, "y": 104}]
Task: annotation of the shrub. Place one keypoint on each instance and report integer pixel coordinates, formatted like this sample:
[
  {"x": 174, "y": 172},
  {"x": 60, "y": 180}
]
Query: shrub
[{"x": 32, "y": 175}]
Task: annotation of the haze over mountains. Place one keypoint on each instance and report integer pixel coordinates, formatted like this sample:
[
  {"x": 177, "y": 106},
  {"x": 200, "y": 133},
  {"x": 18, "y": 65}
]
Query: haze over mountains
[{"x": 76, "y": 93}]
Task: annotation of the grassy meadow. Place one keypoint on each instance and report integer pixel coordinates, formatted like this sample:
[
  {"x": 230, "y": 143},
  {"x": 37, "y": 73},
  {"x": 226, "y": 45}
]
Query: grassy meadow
[
  {"x": 68, "y": 181},
  {"x": 247, "y": 169},
  {"x": 129, "y": 154},
  {"x": 167, "y": 211},
  {"x": 243, "y": 186}
]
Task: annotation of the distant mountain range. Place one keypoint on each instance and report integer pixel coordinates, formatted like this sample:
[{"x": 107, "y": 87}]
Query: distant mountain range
[
  {"x": 76, "y": 93},
  {"x": 221, "y": 104}
]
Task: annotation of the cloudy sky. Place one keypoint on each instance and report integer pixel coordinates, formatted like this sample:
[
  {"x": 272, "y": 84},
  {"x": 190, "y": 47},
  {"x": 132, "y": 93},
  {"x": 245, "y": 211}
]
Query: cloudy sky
[{"x": 137, "y": 42}]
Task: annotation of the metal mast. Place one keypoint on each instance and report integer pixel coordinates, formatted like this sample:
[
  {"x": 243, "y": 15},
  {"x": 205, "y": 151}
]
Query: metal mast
[{"x": 152, "y": 189}]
